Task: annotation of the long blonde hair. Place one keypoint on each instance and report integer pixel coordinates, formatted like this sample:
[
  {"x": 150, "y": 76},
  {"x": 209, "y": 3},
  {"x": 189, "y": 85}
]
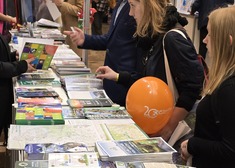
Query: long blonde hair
[
  {"x": 154, "y": 12},
  {"x": 222, "y": 27}
]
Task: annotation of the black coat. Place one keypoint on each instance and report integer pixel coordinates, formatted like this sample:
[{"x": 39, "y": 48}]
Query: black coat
[
  {"x": 186, "y": 70},
  {"x": 8, "y": 69},
  {"x": 213, "y": 144}
]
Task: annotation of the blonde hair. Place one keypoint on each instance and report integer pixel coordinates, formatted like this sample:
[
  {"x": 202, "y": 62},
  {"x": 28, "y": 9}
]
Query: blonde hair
[
  {"x": 154, "y": 12},
  {"x": 222, "y": 26}
]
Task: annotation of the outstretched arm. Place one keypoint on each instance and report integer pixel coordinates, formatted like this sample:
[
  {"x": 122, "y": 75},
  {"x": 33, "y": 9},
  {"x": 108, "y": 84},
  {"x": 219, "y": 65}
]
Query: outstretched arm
[{"x": 77, "y": 36}]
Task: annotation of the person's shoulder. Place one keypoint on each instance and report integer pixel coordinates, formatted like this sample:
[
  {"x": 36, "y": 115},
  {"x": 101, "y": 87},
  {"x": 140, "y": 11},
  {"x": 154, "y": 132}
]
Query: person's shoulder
[
  {"x": 176, "y": 35},
  {"x": 229, "y": 81},
  {"x": 227, "y": 86}
]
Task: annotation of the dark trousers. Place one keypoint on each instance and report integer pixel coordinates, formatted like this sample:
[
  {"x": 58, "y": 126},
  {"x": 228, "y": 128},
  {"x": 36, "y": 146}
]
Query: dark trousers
[
  {"x": 202, "y": 46},
  {"x": 97, "y": 23}
]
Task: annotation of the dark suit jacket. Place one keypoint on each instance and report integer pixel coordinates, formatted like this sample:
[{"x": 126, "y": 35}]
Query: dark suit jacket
[
  {"x": 8, "y": 69},
  {"x": 120, "y": 49},
  {"x": 204, "y": 7}
]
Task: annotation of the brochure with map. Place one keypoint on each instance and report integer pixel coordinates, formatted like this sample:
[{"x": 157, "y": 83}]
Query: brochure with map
[
  {"x": 43, "y": 54},
  {"x": 20, "y": 135},
  {"x": 123, "y": 131}
]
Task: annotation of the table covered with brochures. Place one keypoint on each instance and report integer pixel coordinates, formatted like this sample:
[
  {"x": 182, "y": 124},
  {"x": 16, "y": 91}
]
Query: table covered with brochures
[{"x": 62, "y": 117}]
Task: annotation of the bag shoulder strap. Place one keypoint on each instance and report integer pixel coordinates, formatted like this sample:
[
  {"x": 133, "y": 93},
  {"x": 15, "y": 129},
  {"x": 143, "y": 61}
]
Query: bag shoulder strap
[
  {"x": 178, "y": 31},
  {"x": 169, "y": 78}
]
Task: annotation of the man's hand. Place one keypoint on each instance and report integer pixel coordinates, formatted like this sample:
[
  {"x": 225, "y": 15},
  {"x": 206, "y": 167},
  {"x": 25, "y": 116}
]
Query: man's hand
[{"x": 77, "y": 36}]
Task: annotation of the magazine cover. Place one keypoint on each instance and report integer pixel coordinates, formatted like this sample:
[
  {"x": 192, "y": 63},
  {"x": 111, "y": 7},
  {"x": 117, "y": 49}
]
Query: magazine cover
[
  {"x": 35, "y": 92},
  {"x": 42, "y": 53},
  {"x": 69, "y": 113}
]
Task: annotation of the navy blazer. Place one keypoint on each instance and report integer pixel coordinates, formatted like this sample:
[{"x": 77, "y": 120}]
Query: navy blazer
[
  {"x": 204, "y": 7},
  {"x": 120, "y": 49}
]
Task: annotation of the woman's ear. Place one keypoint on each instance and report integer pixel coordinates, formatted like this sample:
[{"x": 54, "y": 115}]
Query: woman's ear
[{"x": 231, "y": 39}]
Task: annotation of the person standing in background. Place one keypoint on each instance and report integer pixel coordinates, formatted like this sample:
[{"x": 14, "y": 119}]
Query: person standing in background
[
  {"x": 6, "y": 18},
  {"x": 204, "y": 7},
  {"x": 69, "y": 14},
  {"x": 42, "y": 11},
  {"x": 102, "y": 8},
  {"x": 213, "y": 143},
  {"x": 120, "y": 46}
]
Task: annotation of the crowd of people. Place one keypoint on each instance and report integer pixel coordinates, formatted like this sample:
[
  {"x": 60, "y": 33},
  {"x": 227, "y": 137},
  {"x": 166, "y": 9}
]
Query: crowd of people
[{"x": 139, "y": 33}]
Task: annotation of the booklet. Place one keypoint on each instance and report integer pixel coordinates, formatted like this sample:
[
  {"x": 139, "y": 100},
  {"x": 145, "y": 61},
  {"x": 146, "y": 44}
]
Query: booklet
[{"x": 43, "y": 54}]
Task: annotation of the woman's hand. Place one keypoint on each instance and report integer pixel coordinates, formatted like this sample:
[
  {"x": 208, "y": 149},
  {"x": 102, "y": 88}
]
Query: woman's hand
[
  {"x": 107, "y": 73},
  {"x": 30, "y": 67},
  {"x": 184, "y": 150}
]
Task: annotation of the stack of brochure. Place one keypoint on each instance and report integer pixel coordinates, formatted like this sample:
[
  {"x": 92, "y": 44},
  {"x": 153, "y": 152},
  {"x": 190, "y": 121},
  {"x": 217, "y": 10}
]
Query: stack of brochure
[{"x": 145, "y": 150}]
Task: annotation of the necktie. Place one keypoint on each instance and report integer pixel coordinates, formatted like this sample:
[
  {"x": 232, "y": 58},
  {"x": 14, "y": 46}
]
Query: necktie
[{"x": 119, "y": 9}]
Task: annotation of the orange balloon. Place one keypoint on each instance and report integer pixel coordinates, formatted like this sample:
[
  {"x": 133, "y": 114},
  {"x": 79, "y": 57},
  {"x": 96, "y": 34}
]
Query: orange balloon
[{"x": 150, "y": 103}]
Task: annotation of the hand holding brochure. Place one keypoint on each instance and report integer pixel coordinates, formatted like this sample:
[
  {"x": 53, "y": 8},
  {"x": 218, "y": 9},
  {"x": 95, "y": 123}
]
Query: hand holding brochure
[{"x": 42, "y": 53}]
